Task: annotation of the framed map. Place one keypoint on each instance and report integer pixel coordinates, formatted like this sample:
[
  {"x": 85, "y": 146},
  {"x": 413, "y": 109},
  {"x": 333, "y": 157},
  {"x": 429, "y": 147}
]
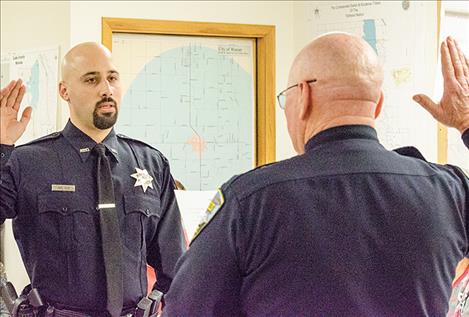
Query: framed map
[{"x": 201, "y": 93}]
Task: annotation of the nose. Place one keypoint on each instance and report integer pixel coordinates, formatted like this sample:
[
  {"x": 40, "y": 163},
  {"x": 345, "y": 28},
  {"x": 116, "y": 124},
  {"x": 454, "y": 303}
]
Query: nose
[{"x": 106, "y": 89}]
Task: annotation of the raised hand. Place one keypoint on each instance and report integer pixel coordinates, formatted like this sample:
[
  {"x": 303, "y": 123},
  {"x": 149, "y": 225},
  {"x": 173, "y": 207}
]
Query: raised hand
[
  {"x": 11, "y": 128},
  {"x": 453, "y": 108}
]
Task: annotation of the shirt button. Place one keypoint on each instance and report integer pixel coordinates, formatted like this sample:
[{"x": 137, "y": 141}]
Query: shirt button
[
  {"x": 2, "y": 154},
  {"x": 64, "y": 209}
]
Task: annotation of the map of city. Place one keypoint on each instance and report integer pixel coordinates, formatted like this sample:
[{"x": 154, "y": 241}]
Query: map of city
[
  {"x": 39, "y": 71},
  {"x": 192, "y": 99}
]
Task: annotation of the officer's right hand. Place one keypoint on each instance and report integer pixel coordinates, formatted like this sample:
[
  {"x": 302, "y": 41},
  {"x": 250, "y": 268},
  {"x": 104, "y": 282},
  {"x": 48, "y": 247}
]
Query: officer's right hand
[
  {"x": 11, "y": 128},
  {"x": 453, "y": 108}
]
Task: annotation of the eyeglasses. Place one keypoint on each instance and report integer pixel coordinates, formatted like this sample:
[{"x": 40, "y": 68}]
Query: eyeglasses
[{"x": 282, "y": 98}]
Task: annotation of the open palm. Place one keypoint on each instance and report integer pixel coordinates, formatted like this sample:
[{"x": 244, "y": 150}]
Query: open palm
[
  {"x": 11, "y": 128},
  {"x": 453, "y": 108}
]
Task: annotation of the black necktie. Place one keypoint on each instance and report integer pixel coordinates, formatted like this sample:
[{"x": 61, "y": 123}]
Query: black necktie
[{"x": 110, "y": 233}]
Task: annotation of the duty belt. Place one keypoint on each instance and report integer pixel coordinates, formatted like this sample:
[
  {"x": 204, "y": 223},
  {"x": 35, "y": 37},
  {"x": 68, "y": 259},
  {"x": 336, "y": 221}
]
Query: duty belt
[{"x": 52, "y": 311}]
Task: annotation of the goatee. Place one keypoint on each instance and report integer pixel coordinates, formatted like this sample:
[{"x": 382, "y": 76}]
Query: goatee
[{"x": 106, "y": 120}]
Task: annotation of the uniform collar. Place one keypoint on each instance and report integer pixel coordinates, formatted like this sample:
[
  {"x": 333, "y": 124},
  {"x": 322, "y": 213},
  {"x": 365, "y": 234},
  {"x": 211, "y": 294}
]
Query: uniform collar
[
  {"x": 83, "y": 144},
  {"x": 345, "y": 132}
]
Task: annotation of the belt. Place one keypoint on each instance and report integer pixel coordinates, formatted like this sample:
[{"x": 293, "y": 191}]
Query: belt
[{"x": 52, "y": 311}]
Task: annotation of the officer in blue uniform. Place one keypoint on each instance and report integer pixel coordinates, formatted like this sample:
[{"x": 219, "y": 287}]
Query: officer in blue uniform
[
  {"x": 49, "y": 188},
  {"x": 346, "y": 228}
]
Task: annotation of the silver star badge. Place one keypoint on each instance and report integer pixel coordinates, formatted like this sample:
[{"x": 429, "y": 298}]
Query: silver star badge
[{"x": 142, "y": 179}]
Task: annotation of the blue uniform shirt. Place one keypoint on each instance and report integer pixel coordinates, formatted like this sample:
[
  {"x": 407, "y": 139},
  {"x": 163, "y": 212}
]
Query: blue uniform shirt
[
  {"x": 346, "y": 229},
  {"x": 49, "y": 189}
]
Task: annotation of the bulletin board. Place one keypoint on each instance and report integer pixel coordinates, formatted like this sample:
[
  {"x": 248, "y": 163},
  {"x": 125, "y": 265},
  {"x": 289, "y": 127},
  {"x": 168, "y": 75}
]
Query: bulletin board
[{"x": 202, "y": 93}]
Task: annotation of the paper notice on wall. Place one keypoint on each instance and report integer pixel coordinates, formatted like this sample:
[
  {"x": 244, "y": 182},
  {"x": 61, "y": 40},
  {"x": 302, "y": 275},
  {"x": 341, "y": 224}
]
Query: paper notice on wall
[
  {"x": 192, "y": 204},
  {"x": 38, "y": 69}
]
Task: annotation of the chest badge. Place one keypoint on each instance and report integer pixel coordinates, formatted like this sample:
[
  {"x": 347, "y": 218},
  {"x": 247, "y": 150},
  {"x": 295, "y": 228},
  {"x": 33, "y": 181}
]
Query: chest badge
[{"x": 142, "y": 179}]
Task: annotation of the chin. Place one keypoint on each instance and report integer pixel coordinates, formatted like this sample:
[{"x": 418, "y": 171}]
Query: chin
[{"x": 104, "y": 122}]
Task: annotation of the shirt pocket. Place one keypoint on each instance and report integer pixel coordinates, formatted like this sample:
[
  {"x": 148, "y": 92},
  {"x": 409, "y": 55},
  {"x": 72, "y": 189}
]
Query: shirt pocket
[
  {"x": 142, "y": 214},
  {"x": 68, "y": 220}
]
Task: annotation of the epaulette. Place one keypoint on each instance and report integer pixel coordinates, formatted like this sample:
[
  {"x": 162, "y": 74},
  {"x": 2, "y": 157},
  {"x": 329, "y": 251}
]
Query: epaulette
[
  {"x": 48, "y": 137},
  {"x": 235, "y": 177},
  {"x": 124, "y": 137},
  {"x": 264, "y": 165},
  {"x": 410, "y": 151}
]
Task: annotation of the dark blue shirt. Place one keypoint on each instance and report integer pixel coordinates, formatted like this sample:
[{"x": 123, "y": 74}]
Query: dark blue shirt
[
  {"x": 347, "y": 229},
  {"x": 48, "y": 187}
]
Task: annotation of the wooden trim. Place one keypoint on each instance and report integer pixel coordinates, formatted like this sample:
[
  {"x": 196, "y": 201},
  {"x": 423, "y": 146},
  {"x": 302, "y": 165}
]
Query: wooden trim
[
  {"x": 264, "y": 35},
  {"x": 442, "y": 131},
  {"x": 442, "y": 155}
]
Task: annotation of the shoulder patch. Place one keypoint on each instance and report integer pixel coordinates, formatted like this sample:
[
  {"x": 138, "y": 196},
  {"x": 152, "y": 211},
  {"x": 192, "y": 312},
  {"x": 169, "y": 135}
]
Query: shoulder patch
[
  {"x": 48, "y": 137},
  {"x": 213, "y": 207},
  {"x": 410, "y": 151}
]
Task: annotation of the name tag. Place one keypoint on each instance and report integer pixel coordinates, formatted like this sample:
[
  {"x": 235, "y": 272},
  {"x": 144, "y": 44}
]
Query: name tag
[{"x": 63, "y": 188}]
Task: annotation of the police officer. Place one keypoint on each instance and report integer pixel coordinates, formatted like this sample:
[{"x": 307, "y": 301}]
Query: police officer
[
  {"x": 346, "y": 228},
  {"x": 52, "y": 190}
]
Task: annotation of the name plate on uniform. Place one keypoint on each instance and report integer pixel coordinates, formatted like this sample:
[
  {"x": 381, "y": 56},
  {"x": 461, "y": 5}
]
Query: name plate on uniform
[{"x": 63, "y": 188}]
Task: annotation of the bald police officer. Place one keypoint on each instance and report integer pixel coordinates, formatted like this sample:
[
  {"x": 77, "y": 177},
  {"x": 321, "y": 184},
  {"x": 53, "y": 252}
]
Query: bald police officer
[
  {"x": 49, "y": 188},
  {"x": 346, "y": 228}
]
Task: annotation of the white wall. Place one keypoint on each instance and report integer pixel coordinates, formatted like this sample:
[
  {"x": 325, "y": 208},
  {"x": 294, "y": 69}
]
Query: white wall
[{"x": 26, "y": 25}]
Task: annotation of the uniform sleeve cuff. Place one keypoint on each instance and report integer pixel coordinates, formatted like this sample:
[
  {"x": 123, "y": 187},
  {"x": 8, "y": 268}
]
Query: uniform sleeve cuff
[
  {"x": 465, "y": 138},
  {"x": 5, "y": 152}
]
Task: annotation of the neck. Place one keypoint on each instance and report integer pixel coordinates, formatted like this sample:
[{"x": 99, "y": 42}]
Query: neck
[
  {"x": 336, "y": 123},
  {"x": 350, "y": 113},
  {"x": 94, "y": 133}
]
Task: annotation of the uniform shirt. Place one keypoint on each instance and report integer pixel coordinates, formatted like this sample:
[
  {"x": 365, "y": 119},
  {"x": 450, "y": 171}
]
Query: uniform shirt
[
  {"x": 346, "y": 229},
  {"x": 49, "y": 189}
]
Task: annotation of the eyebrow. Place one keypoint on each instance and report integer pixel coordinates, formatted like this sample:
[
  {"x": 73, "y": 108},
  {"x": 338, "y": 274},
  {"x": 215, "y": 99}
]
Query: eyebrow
[{"x": 111, "y": 72}]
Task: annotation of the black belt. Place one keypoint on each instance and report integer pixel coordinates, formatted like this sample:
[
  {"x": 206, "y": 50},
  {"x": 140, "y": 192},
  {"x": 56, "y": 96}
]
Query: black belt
[{"x": 52, "y": 311}]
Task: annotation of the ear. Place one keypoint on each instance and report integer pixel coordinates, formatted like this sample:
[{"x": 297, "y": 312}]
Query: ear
[
  {"x": 379, "y": 106},
  {"x": 306, "y": 102},
  {"x": 63, "y": 91}
]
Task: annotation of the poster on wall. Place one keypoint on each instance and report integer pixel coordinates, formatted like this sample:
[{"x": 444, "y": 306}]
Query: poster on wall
[
  {"x": 404, "y": 36},
  {"x": 39, "y": 69}
]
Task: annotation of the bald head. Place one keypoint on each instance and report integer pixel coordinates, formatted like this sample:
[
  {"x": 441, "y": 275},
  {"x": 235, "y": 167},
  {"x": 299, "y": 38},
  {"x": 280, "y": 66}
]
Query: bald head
[
  {"x": 91, "y": 86},
  {"x": 82, "y": 54},
  {"x": 340, "y": 61},
  {"x": 347, "y": 89}
]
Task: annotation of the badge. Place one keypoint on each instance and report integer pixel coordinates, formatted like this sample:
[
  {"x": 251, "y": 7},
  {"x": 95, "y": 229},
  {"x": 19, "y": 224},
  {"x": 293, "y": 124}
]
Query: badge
[
  {"x": 142, "y": 179},
  {"x": 215, "y": 204}
]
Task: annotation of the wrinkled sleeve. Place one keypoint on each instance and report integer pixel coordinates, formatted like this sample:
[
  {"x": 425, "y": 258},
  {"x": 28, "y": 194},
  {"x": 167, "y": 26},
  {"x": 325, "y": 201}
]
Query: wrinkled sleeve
[
  {"x": 169, "y": 242},
  {"x": 8, "y": 188},
  {"x": 208, "y": 276}
]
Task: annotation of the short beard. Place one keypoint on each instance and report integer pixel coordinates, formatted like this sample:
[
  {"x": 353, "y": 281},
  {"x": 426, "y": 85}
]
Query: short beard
[{"x": 107, "y": 120}]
